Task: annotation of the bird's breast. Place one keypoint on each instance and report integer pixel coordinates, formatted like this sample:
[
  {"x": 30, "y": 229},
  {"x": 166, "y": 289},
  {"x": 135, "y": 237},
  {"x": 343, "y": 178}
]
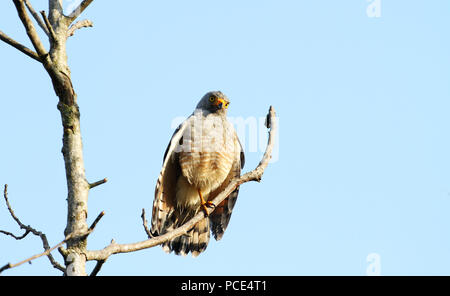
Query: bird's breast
[{"x": 207, "y": 153}]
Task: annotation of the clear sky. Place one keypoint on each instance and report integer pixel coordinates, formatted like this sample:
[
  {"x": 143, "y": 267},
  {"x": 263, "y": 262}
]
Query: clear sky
[{"x": 363, "y": 99}]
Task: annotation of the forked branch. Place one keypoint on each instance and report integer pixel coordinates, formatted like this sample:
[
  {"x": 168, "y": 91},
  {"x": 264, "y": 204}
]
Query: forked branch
[
  {"x": 28, "y": 229},
  {"x": 29, "y": 27},
  {"x": 47, "y": 248}
]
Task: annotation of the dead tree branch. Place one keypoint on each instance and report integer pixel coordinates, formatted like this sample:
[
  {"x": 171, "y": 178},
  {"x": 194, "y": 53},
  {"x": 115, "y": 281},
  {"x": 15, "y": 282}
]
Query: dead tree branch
[
  {"x": 79, "y": 25},
  {"x": 46, "y": 253},
  {"x": 79, "y": 10},
  {"x": 49, "y": 27},
  {"x": 95, "y": 184},
  {"x": 97, "y": 267},
  {"x": 14, "y": 236},
  {"x": 92, "y": 227},
  {"x": 144, "y": 223},
  {"x": 36, "y": 17},
  {"x": 29, "y": 27},
  {"x": 28, "y": 229},
  {"x": 5, "y": 38},
  {"x": 48, "y": 250}
]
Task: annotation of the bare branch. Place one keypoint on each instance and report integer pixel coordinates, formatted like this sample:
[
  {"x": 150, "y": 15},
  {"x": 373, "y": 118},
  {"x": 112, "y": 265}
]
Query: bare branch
[
  {"x": 92, "y": 227},
  {"x": 64, "y": 252},
  {"x": 97, "y": 267},
  {"x": 29, "y": 229},
  {"x": 19, "y": 46},
  {"x": 144, "y": 223},
  {"x": 49, "y": 26},
  {"x": 79, "y": 10},
  {"x": 14, "y": 236},
  {"x": 46, "y": 253},
  {"x": 8, "y": 205},
  {"x": 36, "y": 17},
  {"x": 29, "y": 27},
  {"x": 95, "y": 184},
  {"x": 254, "y": 175},
  {"x": 48, "y": 250},
  {"x": 79, "y": 25}
]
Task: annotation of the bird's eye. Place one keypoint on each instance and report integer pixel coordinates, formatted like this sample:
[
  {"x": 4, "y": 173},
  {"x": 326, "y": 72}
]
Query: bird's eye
[{"x": 211, "y": 99}]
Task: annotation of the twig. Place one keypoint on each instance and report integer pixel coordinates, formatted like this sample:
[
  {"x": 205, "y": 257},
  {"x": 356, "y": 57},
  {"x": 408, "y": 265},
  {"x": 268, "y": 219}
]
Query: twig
[
  {"x": 97, "y": 267},
  {"x": 79, "y": 25},
  {"x": 59, "y": 245},
  {"x": 29, "y": 229},
  {"x": 85, "y": 234},
  {"x": 92, "y": 227},
  {"x": 8, "y": 205},
  {"x": 29, "y": 27},
  {"x": 95, "y": 184},
  {"x": 49, "y": 27},
  {"x": 14, "y": 236},
  {"x": 46, "y": 253},
  {"x": 36, "y": 17},
  {"x": 254, "y": 175},
  {"x": 77, "y": 11},
  {"x": 64, "y": 252},
  {"x": 144, "y": 223},
  {"x": 5, "y": 38}
]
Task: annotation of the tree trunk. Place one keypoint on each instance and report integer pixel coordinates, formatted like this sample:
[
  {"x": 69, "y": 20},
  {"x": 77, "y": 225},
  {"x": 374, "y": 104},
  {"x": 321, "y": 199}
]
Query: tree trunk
[
  {"x": 72, "y": 150},
  {"x": 77, "y": 186}
]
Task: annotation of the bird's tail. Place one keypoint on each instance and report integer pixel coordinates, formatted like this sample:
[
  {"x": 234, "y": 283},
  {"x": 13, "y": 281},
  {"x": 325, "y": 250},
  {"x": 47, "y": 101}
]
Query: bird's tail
[{"x": 195, "y": 241}]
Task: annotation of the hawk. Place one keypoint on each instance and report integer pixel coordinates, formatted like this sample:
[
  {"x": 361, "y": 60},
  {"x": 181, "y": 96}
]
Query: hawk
[{"x": 202, "y": 158}]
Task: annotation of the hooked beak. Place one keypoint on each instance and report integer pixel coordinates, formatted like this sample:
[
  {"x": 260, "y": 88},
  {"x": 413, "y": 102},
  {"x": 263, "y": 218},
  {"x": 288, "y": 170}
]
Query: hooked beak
[{"x": 220, "y": 103}]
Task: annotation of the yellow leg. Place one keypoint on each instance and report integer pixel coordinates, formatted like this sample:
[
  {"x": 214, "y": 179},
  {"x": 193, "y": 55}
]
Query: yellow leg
[{"x": 205, "y": 204}]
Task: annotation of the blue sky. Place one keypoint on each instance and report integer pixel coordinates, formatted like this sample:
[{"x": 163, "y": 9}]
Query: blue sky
[{"x": 363, "y": 106}]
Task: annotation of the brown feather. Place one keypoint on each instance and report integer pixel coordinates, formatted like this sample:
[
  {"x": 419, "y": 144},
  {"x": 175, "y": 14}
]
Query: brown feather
[
  {"x": 164, "y": 202},
  {"x": 222, "y": 214}
]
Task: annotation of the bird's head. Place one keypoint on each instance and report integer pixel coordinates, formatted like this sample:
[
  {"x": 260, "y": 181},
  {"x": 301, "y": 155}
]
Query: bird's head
[{"x": 214, "y": 102}]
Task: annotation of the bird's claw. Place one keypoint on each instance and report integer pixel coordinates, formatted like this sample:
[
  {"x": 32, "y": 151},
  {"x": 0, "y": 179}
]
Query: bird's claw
[
  {"x": 207, "y": 205},
  {"x": 210, "y": 204}
]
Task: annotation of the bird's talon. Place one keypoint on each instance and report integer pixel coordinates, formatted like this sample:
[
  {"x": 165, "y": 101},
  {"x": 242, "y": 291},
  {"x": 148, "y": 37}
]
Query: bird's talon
[{"x": 205, "y": 209}]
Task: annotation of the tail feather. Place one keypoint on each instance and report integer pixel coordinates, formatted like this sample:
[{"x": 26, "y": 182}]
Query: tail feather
[
  {"x": 200, "y": 237},
  {"x": 180, "y": 245},
  {"x": 195, "y": 241}
]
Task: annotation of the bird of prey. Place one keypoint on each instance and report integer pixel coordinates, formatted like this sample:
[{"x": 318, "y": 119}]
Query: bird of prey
[{"x": 202, "y": 157}]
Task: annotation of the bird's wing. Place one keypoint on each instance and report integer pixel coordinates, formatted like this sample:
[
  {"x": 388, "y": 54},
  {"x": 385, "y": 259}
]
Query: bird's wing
[
  {"x": 221, "y": 216},
  {"x": 164, "y": 202}
]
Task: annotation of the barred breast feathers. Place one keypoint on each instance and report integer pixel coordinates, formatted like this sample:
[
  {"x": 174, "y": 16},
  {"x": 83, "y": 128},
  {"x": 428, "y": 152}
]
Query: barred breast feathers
[{"x": 207, "y": 156}]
